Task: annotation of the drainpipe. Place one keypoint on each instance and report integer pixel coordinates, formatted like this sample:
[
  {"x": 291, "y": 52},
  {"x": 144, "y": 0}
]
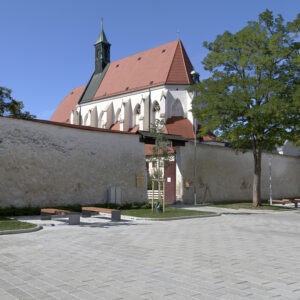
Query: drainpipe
[
  {"x": 79, "y": 115},
  {"x": 149, "y": 113},
  {"x": 195, "y": 156}
]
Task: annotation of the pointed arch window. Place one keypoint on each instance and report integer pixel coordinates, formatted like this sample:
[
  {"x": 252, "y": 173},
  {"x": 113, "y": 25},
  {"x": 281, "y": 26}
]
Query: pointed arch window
[
  {"x": 137, "y": 113},
  {"x": 155, "y": 112}
]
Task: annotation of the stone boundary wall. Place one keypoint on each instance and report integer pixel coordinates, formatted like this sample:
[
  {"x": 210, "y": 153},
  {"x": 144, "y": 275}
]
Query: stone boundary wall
[
  {"x": 47, "y": 164},
  {"x": 223, "y": 175}
]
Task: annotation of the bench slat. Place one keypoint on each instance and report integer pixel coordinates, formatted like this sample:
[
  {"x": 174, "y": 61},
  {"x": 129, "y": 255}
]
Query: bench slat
[
  {"x": 115, "y": 213},
  {"x": 55, "y": 211},
  {"x": 97, "y": 209}
]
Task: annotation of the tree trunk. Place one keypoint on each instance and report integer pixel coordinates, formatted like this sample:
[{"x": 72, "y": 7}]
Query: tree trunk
[{"x": 257, "y": 177}]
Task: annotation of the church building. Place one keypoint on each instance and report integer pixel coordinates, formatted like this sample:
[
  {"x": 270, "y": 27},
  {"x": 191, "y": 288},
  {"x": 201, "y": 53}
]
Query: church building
[{"x": 131, "y": 93}]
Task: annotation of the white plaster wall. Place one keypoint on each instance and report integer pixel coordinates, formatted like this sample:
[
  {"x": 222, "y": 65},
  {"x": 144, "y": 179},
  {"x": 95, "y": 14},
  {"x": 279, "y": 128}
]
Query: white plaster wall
[
  {"x": 289, "y": 149},
  {"x": 159, "y": 94},
  {"x": 47, "y": 165},
  {"x": 181, "y": 93},
  {"x": 222, "y": 175}
]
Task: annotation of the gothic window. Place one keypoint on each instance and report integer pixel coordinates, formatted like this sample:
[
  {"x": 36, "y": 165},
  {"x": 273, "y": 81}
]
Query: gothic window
[
  {"x": 137, "y": 113},
  {"x": 156, "y": 107},
  {"x": 155, "y": 111}
]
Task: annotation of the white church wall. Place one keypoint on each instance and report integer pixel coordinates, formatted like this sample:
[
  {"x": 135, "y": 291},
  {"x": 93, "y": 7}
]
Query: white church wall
[
  {"x": 180, "y": 93},
  {"x": 164, "y": 96},
  {"x": 48, "y": 165},
  {"x": 222, "y": 175}
]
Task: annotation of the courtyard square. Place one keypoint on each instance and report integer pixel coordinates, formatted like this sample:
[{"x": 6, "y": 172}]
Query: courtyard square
[{"x": 233, "y": 256}]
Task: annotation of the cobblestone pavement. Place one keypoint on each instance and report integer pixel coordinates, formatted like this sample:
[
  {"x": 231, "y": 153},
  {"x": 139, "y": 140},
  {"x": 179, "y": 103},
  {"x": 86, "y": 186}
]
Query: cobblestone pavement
[{"x": 234, "y": 256}]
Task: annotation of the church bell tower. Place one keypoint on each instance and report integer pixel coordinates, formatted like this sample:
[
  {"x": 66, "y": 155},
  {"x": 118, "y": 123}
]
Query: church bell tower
[{"x": 102, "y": 52}]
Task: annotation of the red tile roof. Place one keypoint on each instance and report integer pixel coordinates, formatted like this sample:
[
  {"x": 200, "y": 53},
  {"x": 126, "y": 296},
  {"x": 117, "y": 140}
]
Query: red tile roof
[
  {"x": 115, "y": 126},
  {"x": 165, "y": 64},
  {"x": 179, "y": 126},
  {"x": 182, "y": 126},
  {"x": 134, "y": 129},
  {"x": 148, "y": 149},
  {"x": 63, "y": 111}
]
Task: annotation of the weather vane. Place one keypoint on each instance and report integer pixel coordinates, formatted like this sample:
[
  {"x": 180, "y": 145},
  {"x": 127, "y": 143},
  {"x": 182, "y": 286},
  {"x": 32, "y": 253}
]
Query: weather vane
[{"x": 178, "y": 34}]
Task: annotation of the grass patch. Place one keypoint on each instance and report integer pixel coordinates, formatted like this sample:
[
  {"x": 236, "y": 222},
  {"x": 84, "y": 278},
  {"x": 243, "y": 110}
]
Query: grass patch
[
  {"x": 169, "y": 213},
  {"x": 248, "y": 205},
  {"x": 8, "y": 224}
]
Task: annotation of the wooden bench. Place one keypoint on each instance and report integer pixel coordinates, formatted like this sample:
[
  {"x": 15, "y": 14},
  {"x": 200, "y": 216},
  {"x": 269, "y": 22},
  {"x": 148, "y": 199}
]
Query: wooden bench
[
  {"x": 115, "y": 213},
  {"x": 46, "y": 213},
  {"x": 287, "y": 201}
]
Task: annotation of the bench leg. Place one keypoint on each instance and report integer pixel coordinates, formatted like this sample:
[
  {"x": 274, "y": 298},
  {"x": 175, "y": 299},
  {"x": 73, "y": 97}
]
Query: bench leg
[
  {"x": 74, "y": 219},
  {"x": 86, "y": 214},
  {"x": 115, "y": 215},
  {"x": 45, "y": 217}
]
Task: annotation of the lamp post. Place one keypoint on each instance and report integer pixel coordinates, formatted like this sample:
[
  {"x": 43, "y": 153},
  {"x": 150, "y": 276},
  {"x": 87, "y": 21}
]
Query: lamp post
[
  {"x": 196, "y": 79},
  {"x": 270, "y": 179},
  {"x": 195, "y": 156}
]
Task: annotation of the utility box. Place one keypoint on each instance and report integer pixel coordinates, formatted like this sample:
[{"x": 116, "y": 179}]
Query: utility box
[{"x": 115, "y": 195}]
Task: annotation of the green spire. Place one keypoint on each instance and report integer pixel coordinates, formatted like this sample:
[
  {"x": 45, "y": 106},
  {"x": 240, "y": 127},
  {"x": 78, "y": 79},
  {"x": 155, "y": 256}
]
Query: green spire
[{"x": 102, "y": 37}]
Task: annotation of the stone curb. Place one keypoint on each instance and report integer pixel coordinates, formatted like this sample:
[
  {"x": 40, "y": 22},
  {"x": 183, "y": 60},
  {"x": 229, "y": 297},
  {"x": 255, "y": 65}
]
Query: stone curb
[
  {"x": 27, "y": 230},
  {"x": 171, "y": 219}
]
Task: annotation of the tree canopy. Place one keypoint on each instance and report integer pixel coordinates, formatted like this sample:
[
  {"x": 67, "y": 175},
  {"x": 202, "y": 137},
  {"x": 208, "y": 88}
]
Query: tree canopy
[
  {"x": 9, "y": 107},
  {"x": 252, "y": 98}
]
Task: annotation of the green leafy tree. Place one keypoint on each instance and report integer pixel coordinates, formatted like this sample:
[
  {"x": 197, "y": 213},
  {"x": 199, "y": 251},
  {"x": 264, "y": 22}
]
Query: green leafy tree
[
  {"x": 252, "y": 97},
  {"x": 9, "y": 107}
]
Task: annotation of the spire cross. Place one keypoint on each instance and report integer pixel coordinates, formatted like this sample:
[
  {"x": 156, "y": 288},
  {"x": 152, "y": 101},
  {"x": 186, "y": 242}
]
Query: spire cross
[
  {"x": 178, "y": 34},
  {"x": 102, "y": 24}
]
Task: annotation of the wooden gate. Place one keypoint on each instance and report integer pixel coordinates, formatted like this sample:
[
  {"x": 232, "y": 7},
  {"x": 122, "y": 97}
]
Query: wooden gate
[{"x": 170, "y": 181}]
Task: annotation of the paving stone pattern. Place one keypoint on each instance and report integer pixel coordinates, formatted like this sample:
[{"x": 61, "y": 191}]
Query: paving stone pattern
[{"x": 234, "y": 256}]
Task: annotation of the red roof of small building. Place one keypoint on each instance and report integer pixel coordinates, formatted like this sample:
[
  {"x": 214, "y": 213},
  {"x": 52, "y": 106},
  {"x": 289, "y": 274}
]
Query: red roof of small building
[
  {"x": 182, "y": 126},
  {"x": 165, "y": 64},
  {"x": 179, "y": 126},
  {"x": 148, "y": 149},
  {"x": 63, "y": 111}
]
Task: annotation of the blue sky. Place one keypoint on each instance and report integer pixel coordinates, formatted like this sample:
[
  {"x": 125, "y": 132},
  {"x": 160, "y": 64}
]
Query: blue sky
[{"x": 47, "y": 49}]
